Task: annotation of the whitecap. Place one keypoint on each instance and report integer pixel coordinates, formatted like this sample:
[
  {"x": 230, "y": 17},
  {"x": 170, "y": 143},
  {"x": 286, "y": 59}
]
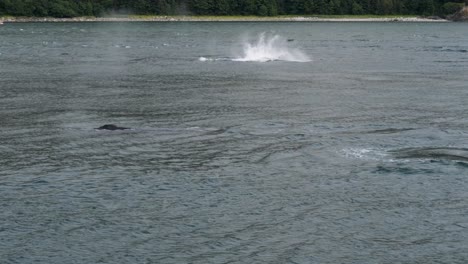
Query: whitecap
[
  {"x": 364, "y": 153},
  {"x": 203, "y": 59}
]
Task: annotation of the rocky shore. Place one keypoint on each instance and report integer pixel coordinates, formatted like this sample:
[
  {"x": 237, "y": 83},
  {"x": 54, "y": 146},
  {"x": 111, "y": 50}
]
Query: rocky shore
[
  {"x": 460, "y": 16},
  {"x": 219, "y": 19}
]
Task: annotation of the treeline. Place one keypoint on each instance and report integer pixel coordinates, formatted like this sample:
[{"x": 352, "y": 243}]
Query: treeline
[{"x": 74, "y": 8}]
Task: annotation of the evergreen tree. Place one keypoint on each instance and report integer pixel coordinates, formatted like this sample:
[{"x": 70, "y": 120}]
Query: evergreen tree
[
  {"x": 71, "y": 8},
  {"x": 357, "y": 9}
]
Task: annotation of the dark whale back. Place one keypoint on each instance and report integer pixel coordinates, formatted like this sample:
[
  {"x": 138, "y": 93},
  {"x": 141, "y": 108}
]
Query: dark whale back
[{"x": 111, "y": 127}]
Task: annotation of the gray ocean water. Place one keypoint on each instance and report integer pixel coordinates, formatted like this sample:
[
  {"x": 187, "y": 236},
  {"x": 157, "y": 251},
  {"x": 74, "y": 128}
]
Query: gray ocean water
[{"x": 250, "y": 143}]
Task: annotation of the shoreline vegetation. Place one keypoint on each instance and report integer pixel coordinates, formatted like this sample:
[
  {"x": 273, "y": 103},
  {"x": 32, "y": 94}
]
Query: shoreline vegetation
[
  {"x": 149, "y": 18},
  {"x": 233, "y": 10}
]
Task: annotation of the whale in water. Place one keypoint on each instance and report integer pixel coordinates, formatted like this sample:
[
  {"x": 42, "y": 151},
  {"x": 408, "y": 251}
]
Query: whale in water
[{"x": 111, "y": 127}]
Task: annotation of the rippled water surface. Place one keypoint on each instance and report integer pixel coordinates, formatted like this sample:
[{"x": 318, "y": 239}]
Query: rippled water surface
[{"x": 250, "y": 143}]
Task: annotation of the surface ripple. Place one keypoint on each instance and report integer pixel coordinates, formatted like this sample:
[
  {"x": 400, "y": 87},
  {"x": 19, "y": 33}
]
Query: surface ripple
[{"x": 357, "y": 156}]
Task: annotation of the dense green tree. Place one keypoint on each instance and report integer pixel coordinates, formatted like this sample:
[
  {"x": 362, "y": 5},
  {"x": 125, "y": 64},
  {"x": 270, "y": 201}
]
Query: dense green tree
[
  {"x": 310, "y": 7},
  {"x": 384, "y": 7},
  {"x": 201, "y": 7},
  {"x": 335, "y": 7},
  {"x": 357, "y": 9},
  {"x": 322, "y": 7},
  {"x": 71, "y": 8},
  {"x": 222, "y": 7},
  {"x": 294, "y": 6},
  {"x": 249, "y": 7}
]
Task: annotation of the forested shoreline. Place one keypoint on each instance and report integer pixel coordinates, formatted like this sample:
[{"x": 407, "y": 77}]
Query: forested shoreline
[{"x": 98, "y": 8}]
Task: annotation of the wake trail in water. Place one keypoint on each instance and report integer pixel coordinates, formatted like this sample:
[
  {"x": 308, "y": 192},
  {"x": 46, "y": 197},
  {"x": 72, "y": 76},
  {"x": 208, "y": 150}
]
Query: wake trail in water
[{"x": 266, "y": 48}]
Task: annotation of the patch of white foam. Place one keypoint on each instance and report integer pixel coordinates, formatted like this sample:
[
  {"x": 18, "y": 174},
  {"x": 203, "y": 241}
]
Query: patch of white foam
[
  {"x": 205, "y": 59},
  {"x": 365, "y": 154},
  {"x": 271, "y": 48}
]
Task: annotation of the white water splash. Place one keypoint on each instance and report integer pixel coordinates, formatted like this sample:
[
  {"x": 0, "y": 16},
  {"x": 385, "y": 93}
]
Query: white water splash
[
  {"x": 271, "y": 48},
  {"x": 365, "y": 154},
  {"x": 205, "y": 59}
]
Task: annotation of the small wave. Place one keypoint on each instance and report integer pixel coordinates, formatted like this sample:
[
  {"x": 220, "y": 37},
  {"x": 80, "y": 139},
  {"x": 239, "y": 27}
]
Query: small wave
[
  {"x": 364, "y": 153},
  {"x": 424, "y": 153},
  {"x": 122, "y": 46},
  {"x": 204, "y": 59},
  {"x": 402, "y": 170},
  {"x": 389, "y": 130},
  {"x": 446, "y": 61},
  {"x": 446, "y": 49},
  {"x": 432, "y": 153},
  {"x": 145, "y": 59}
]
